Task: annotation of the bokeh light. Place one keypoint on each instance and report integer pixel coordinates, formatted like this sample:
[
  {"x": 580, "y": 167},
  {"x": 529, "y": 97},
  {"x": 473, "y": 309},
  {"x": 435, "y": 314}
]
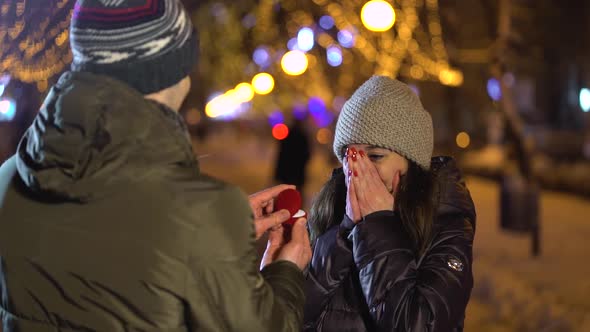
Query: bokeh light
[
  {"x": 416, "y": 72},
  {"x": 326, "y": 22},
  {"x": 323, "y": 136},
  {"x": 450, "y": 77},
  {"x": 305, "y": 39},
  {"x": 585, "y": 99},
  {"x": 261, "y": 57},
  {"x": 7, "y": 109},
  {"x": 249, "y": 21},
  {"x": 321, "y": 116},
  {"x": 316, "y": 105},
  {"x": 346, "y": 38},
  {"x": 378, "y": 15},
  {"x": 222, "y": 105},
  {"x": 463, "y": 140},
  {"x": 334, "y": 55},
  {"x": 299, "y": 112},
  {"x": 244, "y": 92},
  {"x": 294, "y": 63},
  {"x": 280, "y": 131},
  {"x": 494, "y": 91},
  {"x": 263, "y": 83},
  {"x": 293, "y": 45},
  {"x": 275, "y": 118}
]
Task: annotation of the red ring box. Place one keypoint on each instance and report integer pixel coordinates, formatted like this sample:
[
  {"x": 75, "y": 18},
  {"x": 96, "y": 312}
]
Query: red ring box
[{"x": 290, "y": 199}]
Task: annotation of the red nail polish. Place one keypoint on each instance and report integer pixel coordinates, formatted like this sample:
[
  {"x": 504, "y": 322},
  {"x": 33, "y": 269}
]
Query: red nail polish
[
  {"x": 356, "y": 173},
  {"x": 354, "y": 157},
  {"x": 362, "y": 153},
  {"x": 353, "y": 150}
]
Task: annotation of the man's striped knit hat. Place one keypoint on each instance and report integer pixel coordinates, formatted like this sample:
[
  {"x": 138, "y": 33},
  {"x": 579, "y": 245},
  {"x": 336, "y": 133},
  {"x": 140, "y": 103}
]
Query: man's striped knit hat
[{"x": 149, "y": 44}]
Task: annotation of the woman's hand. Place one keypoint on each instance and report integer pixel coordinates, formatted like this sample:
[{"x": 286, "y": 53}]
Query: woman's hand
[
  {"x": 262, "y": 204},
  {"x": 352, "y": 206},
  {"x": 367, "y": 193}
]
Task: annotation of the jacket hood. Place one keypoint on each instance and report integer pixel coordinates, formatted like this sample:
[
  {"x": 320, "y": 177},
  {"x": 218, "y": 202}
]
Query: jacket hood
[{"x": 92, "y": 131}]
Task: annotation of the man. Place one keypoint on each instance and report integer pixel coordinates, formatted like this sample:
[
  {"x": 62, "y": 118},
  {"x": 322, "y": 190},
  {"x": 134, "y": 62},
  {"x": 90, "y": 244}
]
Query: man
[
  {"x": 106, "y": 223},
  {"x": 293, "y": 156}
]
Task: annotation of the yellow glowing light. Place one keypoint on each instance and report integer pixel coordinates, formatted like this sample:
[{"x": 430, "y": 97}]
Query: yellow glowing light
[
  {"x": 463, "y": 140},
  {"x": 294, "y": 63},
  {"x": 231, "y": 96},
  {"x": 451, "y": 77},
  {"x": 378, "y": 15},
  {"x": 222, "y": 104},
  {"x": 244, "y": 92},
  {"x": 416, "y": 72},
  {"x": 263, "y": 83},
  {"x": 405, "y": 33},
  {"x": 212, "y": 107},
  {"x": 323, "y": 136}
]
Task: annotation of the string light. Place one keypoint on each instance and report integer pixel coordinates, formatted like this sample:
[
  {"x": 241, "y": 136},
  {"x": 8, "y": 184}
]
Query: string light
[
  {"x": 263, "y": 83},
  {"x": 378, "y": 15},
  {"x": 43, "y": 51},
  {"x": 294, "y": 63},
  {"x": 463, "y": 140},
  {"x": 413, "y": 47}
]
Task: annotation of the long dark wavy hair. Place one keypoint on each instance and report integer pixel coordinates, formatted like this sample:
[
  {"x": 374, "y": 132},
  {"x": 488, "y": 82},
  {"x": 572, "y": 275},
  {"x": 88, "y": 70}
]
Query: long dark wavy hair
[{"x": 414, "y": 200}]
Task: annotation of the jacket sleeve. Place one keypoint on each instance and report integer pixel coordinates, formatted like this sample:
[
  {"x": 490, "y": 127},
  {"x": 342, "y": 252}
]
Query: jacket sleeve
[
  {"x": 226, "y": 292},
  {"x": 331, "y": 263},
  {"x": 406, "y": 293}
]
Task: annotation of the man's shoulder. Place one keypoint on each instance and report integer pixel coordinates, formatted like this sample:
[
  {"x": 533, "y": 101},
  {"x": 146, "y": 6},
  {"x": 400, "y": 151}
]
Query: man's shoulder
[{"x": 201, "y": 193}]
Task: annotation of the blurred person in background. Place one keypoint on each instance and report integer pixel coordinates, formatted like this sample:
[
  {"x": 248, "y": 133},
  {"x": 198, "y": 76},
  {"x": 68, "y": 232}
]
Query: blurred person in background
[
  {"x": 392, "y": 230},
  {"x": 293, "y": 156},
  {"x": 107, "y": 224}
]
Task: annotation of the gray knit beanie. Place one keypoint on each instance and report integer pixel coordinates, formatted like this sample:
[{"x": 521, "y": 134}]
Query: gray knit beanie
[{"x": 385, "y": 112}]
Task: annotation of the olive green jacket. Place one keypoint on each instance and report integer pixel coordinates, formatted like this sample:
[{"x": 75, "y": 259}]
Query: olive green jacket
[{"x": 106, "y": 224}]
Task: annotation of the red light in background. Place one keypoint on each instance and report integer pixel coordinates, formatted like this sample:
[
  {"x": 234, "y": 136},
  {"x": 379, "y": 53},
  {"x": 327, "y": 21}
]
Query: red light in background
[{"x": 280, "y": 131}]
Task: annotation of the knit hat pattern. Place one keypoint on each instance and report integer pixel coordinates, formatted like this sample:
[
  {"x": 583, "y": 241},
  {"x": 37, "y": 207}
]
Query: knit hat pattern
[
  {"x": 385, "y": 112},
  {"x": 149, "y": 44}
]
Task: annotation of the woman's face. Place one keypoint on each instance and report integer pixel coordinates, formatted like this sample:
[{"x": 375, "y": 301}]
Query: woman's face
[{"x": 386, "y": 161}]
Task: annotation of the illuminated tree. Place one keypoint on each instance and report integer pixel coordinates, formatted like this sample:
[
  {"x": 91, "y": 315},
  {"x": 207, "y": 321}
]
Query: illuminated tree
[
  {"x": 345, "y": 51},
  {"x": 34, "y": 44}
]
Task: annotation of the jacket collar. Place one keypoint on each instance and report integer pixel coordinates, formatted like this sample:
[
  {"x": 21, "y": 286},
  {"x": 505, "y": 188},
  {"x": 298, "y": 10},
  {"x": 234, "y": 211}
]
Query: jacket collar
[{"x": 93, "y": 130}]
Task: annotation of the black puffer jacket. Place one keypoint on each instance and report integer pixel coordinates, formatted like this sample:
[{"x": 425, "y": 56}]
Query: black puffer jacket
[{"x": 367, "y": 277}]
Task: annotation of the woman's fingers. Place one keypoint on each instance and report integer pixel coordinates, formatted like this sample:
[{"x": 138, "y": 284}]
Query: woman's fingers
[
  {"x": 372, "y": 195},
  {"x": 354, "y": 202},
  {"x": 352, "y": 205}
]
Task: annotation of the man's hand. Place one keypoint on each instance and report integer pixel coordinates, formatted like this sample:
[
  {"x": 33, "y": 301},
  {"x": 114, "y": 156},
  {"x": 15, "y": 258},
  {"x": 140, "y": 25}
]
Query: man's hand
[
  {"x": 262, "y": 204},
  {"x": 297, "y": 250}
]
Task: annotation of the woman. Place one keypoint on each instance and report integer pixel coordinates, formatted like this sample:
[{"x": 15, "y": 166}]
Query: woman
[{"x": 393, "y": 229}]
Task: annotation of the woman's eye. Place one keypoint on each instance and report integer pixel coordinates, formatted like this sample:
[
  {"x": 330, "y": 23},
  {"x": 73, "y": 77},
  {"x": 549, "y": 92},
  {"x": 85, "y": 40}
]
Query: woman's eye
[{"x": 375, "y": 157}]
